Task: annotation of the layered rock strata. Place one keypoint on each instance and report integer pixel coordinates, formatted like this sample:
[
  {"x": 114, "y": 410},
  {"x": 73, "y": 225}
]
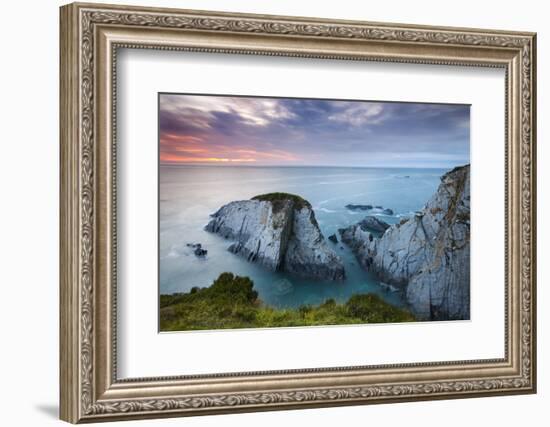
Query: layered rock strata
[
  {"x": 278, "y": 231},
  {"x": 428, "y": 255}
]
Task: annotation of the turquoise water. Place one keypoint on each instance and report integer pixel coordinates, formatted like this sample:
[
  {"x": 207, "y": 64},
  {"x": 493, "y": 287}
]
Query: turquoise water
[{"x": 189, "y": 194}]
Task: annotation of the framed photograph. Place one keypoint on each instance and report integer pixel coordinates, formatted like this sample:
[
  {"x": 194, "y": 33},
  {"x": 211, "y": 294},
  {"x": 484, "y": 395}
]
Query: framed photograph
[{"x": 265, "y": 212}]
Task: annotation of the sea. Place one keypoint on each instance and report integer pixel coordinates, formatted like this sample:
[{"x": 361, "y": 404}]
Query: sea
[{"x": 188, "y": 194}]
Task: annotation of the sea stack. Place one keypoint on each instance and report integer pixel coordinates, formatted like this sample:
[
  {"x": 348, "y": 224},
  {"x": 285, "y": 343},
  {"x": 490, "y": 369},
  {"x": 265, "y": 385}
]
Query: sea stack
[
  {"x": 278, "y": 231},
  {"x": 428, "y": 255}
]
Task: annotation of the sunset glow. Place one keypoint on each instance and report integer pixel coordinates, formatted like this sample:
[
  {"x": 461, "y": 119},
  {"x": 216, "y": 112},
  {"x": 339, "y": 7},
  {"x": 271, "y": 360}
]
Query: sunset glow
[
  {"x": 167, "y": 158},
  {"x": 202, "y": 129}
]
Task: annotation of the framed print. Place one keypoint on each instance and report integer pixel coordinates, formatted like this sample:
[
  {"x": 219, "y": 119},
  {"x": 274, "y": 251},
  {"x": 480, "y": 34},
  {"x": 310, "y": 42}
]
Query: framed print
[
  {"x": 264, "y": 212},
  {"x": 296, "y": 162}
]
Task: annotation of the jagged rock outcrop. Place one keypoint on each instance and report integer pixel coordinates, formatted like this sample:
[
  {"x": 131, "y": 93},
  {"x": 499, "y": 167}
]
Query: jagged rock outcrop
[
  {"x": 371, "y": 223},
  {"x": 427, "y": 255},
  {"x": 280, "y": 232},
  {"x": 198, "y": 250}
]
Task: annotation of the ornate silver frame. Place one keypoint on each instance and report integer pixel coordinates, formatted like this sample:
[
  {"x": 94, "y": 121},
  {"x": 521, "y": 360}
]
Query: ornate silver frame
[{"x": 90, "y": 36}]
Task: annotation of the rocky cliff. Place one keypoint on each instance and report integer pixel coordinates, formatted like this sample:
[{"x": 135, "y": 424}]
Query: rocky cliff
[
  {"x": 278, "y": 231},
  {"x": 427, "y": 255}
]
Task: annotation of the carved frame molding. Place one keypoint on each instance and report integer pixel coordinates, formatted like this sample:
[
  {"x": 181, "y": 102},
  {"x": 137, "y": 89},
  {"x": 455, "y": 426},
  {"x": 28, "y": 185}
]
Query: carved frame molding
[{"x": 90, "y": 37}]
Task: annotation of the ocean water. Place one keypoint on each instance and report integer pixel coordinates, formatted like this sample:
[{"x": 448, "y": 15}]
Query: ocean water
[{"x": 189, "y": 194}]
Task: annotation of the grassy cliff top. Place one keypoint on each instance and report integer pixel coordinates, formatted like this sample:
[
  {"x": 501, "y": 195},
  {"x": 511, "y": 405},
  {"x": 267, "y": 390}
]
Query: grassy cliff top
[
  {"x": 231, "y": 302},
  {"x": 274, "y": 198}
]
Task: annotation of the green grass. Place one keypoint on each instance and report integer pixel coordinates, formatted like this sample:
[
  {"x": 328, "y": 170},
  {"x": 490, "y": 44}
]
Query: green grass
[
  {"x": 278, "y": 198},
  {"x": 231, "y": 302}
]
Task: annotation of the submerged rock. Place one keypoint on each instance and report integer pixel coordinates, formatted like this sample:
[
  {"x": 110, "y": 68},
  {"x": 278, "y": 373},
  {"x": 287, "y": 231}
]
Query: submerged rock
[
  {"x": 283, "y": 287},
  {"x": 333, "y": 238},
  {"x": 378, "y": 208},
  {"x": 429, "y": 254},
  {"x": 353, "y": 207},
  {"x": 280, "y": 232}
]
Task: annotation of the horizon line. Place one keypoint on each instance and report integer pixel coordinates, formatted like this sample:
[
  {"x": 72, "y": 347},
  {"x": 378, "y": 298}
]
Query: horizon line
[{"x": 310, "y": 166}]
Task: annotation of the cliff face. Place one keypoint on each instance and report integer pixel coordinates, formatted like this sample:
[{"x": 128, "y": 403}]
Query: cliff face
[
  {"x": 278, "y": 231},
  {"x": 429, "y": 254}
]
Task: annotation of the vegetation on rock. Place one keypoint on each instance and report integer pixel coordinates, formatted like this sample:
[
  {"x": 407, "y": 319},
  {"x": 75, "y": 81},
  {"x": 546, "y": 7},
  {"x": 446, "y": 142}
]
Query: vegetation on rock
[
  {"x": 231, "y": 302},
  {"x": 278, "y": 200}
]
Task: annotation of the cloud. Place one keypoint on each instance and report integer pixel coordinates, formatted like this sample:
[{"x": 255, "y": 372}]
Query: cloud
[
  {"x": 225, "y": 129},
  {"x": 202, "y": 109},
  {"x": 358, "y": 113}
]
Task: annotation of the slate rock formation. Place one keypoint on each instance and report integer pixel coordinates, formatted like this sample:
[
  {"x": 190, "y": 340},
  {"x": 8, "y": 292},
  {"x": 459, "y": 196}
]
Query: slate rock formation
[
  {"x": 371, "y": 223},
  {"x": 428, "y": 255},
  {"x": 280, "y": 232}
]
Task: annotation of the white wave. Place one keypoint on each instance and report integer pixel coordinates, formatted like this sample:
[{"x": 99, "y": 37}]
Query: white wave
[
  {"x": 324, "y": 210},
  {"x": 404, "y": 215},
  {"x": 171, "y": 254},
  {"x": 381, "y": 214}
]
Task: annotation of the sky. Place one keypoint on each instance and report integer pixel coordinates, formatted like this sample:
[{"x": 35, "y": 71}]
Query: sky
[{"x": 229, "y": 130}]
